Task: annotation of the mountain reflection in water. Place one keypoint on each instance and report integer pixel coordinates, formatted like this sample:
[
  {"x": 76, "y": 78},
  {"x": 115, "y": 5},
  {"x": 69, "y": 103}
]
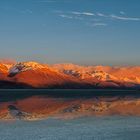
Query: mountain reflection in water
[{"x": 67, "y": 104}]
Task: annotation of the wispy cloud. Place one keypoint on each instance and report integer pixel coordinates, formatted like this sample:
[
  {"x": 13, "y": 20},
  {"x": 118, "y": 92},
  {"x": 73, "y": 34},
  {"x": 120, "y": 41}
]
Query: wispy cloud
[
  {"x": 88, "y": 14},
  {"x": 101, "y": 15},
  {"x": 95, "y": 19},
  {"x": 98, "y": 24},
  {"x": 83, "y": 13},
  {"x": 113, "y": 16},
  {"x": 124, "y": 18},
  {"x": 71, "y": 17},
  {"x": 66, "y": 16}
]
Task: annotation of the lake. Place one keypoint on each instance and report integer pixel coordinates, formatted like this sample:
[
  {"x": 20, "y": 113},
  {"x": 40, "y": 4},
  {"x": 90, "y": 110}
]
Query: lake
[
  {"x": 87, "y": 128},
  {"x": 69, "y": 114}
]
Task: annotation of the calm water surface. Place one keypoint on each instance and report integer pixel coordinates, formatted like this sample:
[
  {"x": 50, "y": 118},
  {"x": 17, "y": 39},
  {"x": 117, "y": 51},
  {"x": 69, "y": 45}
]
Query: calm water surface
[
  {"x": 84, "y": 128},
  {"x": 87, "y": 128}
]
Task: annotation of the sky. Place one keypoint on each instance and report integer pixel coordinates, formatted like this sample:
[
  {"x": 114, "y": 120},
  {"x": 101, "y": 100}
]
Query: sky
[{"x": 86, "y": 32}]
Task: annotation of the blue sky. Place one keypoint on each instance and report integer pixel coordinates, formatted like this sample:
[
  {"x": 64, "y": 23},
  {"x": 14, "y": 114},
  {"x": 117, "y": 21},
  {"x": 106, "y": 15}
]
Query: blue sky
[{"x": 89, "y": 32}]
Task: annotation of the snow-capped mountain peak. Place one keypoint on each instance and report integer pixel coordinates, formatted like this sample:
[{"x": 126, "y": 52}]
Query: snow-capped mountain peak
[{"x": 24, "y": 66}]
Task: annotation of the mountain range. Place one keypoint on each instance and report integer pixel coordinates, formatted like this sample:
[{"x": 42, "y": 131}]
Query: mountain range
[{"x": 67, "y": 76}]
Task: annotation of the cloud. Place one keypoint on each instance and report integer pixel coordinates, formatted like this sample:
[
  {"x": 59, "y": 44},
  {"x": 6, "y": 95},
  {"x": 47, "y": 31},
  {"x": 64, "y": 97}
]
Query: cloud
[
  {"x": 95, "y": 19},
  {"x": 113, "y": 16},
  {"x": 83, "y": 13},
  {"x": 101, "y": 15},
  {"x": 125, "y": 18},
  {"x": 71, "y": 17},
  {"x": 99, "y": 24},
  {"x": 88, "y": 14},
  {"x": 66, "y": 16}
]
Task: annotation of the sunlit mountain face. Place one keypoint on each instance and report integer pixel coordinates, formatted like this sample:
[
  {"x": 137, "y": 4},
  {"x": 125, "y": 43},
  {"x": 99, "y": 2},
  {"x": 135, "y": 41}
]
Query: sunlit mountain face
[{"x": 36, "y": 75}]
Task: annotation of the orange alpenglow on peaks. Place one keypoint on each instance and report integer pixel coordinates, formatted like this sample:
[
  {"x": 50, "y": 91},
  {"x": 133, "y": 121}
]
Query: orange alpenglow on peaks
[{"x": 36, "y": 75}]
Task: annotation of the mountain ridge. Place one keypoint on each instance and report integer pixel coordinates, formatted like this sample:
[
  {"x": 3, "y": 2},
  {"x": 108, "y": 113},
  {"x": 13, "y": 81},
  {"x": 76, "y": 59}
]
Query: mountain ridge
[{"x": 37, "y": 75}]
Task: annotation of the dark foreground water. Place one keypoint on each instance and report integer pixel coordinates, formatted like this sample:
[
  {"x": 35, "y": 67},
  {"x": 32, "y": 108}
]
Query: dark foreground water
[
  {"x": 15, "y": 94},
  {"x": 87, "y": 128}
]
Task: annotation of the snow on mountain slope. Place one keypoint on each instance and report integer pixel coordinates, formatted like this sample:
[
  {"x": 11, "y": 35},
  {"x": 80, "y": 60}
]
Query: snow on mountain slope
[
  {"x": 129, "y": 75},
  {"x": 86, "y": 72},
  {"x": 103, "y": 76},
  {"x": 41, "y": 76},
  {"x": 24, "y": 66}
]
